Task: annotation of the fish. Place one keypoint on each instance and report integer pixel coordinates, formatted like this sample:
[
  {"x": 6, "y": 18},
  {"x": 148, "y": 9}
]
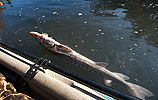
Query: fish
[{"x": 67, "y": 53}]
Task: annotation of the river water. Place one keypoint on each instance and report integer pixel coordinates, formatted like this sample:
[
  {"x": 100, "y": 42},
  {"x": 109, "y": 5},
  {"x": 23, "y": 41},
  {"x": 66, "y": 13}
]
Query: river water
[{"x": 122, "y": 33}]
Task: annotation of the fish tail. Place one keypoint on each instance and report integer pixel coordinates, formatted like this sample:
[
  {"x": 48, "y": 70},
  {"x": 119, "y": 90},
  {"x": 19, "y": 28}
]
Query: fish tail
[{"x": 138, "y": 91}]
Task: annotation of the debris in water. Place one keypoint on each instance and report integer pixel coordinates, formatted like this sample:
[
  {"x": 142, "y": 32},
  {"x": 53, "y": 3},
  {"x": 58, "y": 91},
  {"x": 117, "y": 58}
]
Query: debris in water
[
  {"x": 136, "y": 32},
  {"x": 43, "y": 16},
  {"x": 80, "y": 14},
  {"x": 76, "y": 45},
  {"x": 136, "y": 44},
  {"x": 99, "y": 30},
  {"x": 54, "y": 13}
]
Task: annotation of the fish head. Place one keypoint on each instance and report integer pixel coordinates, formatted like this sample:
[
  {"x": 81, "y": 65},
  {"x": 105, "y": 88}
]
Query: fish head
[
  {"x": 36, "y": 35},
  {"x": 39, "y": 37},
  {"x": 49, "y": 43},
  {"x": 44, "y": 40}
]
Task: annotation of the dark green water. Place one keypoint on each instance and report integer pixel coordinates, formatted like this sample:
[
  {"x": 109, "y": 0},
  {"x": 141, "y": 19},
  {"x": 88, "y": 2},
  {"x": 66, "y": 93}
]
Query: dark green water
[{"x": 123, "y": 33}]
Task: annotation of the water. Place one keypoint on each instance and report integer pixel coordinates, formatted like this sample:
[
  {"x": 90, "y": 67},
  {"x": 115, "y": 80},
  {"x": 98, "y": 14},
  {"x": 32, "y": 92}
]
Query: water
[{"x": 120, "y": 32}]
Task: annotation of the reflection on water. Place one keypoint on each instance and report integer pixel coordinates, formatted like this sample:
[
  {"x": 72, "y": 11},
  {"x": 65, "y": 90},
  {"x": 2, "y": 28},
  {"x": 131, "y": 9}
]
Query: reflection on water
[
  {"x": 122, "y": 33},
  {"x": 2, "y": 25},
  {"x": 142, "y": 14},
  {"x": 144, "y": 21},
  {"x": 3, "y": 7}
]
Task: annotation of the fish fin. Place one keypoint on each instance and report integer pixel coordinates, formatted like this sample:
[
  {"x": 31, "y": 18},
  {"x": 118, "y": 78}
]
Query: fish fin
[
  {"x": 138, "y": 91},
  {"x": 102, "y": 64},
  {"x": 124, "y": 77},
  {"x": 108, "y": 82},
  {"x": 62, "y": 48}
]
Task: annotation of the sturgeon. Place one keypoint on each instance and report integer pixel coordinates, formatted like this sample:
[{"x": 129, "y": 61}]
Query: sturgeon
[{"x": 67, "y": 53}]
